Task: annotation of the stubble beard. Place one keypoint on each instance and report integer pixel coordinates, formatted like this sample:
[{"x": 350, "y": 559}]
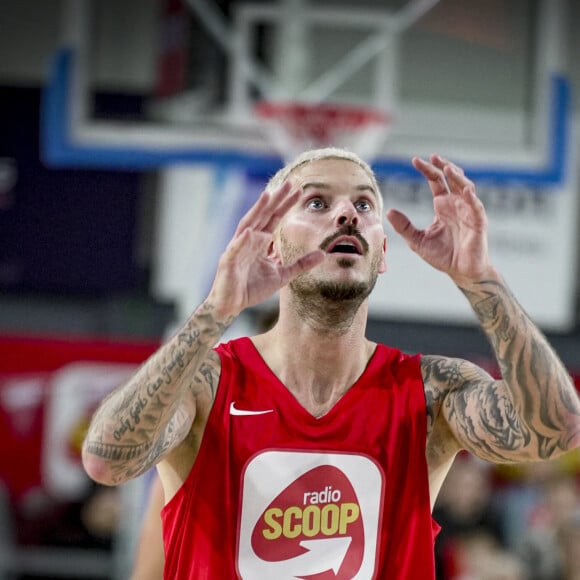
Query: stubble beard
[
  {"x": 339, "y": 292},
  {"x": 331, "y": 304}
]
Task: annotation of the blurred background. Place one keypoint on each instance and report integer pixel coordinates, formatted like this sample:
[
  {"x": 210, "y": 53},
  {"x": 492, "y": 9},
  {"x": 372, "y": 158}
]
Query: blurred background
[{"x": 131, "y": 141}]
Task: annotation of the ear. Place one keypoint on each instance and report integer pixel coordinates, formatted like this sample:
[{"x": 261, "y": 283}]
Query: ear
[{"x": 383, "y": 266}]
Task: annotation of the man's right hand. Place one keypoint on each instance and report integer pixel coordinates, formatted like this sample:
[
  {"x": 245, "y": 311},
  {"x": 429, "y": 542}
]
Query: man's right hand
[{"x": 246, "y": 274}]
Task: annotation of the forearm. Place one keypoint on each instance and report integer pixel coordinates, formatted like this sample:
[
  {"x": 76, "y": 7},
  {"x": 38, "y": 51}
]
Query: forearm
[
  {"x": 129, "y": 431},
  {"x": 544, "y": 397}
]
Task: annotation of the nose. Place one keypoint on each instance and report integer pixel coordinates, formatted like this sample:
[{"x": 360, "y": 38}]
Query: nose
[{"x": 347, "y": 215}]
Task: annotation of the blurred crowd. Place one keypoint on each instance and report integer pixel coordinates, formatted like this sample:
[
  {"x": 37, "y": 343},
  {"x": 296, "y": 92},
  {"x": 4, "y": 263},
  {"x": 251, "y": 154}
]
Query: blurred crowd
[
  {"x": 498, "y": 522},
  {"x": 509, "y": 522}
]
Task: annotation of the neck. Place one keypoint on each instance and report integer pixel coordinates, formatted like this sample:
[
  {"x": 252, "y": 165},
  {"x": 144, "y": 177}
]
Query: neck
[
  {"x": 317, "y": 352},
  {"x": 324, "y": 316}
]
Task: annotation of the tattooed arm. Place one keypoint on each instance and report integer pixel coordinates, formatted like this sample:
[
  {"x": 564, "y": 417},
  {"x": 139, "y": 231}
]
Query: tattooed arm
[
  {"x": 532, "y": 413},
  {"x": 153, "y": 414},
  {"x": 140, "y": 422}
]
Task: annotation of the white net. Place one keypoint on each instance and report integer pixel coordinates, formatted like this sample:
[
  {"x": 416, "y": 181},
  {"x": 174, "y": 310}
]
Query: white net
[{"x": 293, "y": 127}]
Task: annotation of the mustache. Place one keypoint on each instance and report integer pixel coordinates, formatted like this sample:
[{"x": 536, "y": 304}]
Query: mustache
[{"x": 347, "y": 230}]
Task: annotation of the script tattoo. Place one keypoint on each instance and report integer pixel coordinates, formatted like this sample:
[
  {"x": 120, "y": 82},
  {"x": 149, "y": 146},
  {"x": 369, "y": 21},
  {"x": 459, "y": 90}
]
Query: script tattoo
[{"x": 142, "y": 420}]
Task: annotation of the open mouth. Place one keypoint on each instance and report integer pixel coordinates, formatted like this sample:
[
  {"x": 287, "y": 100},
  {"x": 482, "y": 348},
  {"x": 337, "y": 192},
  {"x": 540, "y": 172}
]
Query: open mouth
[
  {"x": 344, "y": 249},
  {"x": 345, "y": 245}
]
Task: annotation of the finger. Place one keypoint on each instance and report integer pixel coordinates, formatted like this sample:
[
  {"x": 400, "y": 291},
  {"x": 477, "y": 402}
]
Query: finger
[
  {"x": 433, "y": 174},
  {"x": 250, "y": 218},
  {"x": 469, "y": 195},
  {"x": 403, "y": 226},
  {"x": 248, "y": 243},
  {"x": 284, "y": 198},
  {"x": 457, "y": 180},
  {"x": 303, "y": 264},
  {"x": 454, "y": 174},
  {"x": 280, "y": 208},
  {"x": 442, "y": 162},
  {"x": 260, "y": 213}
]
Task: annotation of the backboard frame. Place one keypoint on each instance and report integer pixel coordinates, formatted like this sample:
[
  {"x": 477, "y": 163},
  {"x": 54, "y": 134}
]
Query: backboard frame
[
  {"x": 542, "y": 167},
  {"x": 71, "y": 138}
]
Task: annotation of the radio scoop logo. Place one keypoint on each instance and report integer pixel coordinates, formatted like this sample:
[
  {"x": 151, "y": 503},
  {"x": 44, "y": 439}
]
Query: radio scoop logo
[
  {"x": 316, "y": 519},
  {"x": 309, "y": 515}
]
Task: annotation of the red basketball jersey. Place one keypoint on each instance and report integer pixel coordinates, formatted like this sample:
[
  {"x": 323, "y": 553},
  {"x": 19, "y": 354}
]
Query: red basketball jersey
[{"x": 277, "y": 494}]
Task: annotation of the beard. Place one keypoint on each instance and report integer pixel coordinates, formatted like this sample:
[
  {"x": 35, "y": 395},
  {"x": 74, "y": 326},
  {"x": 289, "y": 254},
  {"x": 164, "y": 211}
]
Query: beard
[
  {"x": 328, "y": 306},
  {"x": 307, "y": 287}
]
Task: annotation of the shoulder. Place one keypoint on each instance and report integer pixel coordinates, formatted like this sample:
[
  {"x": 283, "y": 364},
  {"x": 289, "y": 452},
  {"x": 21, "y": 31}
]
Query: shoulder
[
  {"x": 388, "y": 356},
  {"x": 452, "y": 387},
  {"x": 442, "y": 376}
]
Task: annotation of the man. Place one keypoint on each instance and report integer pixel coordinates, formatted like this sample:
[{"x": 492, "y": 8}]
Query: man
[{"x": 309, "y": 451}]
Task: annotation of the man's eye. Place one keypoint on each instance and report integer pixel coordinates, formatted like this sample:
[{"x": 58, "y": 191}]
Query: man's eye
[
  {"x": 364, "y": 205},
  {"x": 315, "y": 203}
]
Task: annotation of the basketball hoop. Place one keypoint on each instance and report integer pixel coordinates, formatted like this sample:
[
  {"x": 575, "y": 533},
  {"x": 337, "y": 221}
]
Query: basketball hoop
[{"x": 293, "y": 127}]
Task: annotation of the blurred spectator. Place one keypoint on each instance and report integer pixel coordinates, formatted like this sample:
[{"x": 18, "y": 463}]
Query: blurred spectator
[
  {"x": 465, "y": 510},
  {"x": 569, "y": 540},
  {"x": 100, "y": 513},
  {"x": 547, "y": 547},
  {"x": 479, "y": 557},
  {"x": 520, "y": 489}
]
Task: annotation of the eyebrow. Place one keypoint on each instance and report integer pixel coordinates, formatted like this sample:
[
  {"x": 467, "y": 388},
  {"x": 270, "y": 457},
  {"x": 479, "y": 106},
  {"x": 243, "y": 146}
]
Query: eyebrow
[{"x": 323, "y": 185}]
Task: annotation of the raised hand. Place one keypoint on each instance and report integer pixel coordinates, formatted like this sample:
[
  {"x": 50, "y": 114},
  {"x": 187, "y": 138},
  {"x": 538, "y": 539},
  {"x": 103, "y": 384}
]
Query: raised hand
[
  {"x": 456, "y": 240},
  {"x": 246, "y": 274}
]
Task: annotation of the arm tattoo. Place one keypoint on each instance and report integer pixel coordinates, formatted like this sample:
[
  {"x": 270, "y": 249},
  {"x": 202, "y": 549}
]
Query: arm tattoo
[
  {"x": 116, "y": 452},
  {"x": 140, "y": 421},
  {"x": 532, "y": 413},
  {"x": 480, "y": 412},
  {"x": 207, "y": 376}
]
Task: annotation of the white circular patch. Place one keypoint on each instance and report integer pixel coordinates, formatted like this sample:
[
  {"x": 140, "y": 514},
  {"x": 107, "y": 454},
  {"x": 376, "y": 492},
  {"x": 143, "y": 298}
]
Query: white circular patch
[{"x": 305, "y": 513}]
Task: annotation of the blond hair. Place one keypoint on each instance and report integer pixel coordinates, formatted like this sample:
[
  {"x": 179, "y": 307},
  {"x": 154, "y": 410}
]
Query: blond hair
[{"x": 318, "y": 155}]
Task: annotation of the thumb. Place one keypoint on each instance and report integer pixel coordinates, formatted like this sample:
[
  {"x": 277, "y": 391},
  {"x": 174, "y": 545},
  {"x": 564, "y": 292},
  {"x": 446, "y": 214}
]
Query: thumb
[
  {"x": 301, "y": 265},
  {"x": 402, "y": 225}
]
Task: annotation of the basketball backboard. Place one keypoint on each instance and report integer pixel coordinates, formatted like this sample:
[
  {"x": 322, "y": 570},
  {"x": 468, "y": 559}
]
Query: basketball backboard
[
  {"x": 482, "y": 82},
  {"x": 477, "y": 80}
]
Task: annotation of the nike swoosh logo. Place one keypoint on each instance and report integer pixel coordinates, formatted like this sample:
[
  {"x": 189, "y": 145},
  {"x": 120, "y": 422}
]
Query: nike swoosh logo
[{"x": 242, "y": 412}]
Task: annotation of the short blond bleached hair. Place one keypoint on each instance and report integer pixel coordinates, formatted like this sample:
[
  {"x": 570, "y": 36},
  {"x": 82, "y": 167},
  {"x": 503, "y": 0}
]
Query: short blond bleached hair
[{"x": 318, "y": 155}]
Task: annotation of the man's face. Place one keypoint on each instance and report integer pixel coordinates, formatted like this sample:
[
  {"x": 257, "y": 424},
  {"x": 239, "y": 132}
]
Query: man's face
[{"x": 338, "y": 213}]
